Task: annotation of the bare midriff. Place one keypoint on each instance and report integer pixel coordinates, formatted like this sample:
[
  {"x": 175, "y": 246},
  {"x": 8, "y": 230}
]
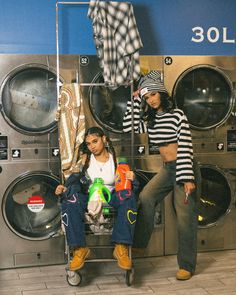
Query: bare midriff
[{"x": 168, "y": 152}]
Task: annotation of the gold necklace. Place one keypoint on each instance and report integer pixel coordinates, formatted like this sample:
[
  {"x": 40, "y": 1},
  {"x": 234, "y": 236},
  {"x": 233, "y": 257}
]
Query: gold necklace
[{"x": 100, "y": 165}]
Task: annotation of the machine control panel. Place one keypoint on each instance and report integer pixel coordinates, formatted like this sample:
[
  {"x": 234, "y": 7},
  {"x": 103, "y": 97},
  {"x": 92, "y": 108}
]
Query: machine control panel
[
  {"x": 231, "y": 140},
  {"x": 3, "y": 147}
]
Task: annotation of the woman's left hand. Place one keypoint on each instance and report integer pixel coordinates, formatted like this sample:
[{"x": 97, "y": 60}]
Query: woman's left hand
[
  {"x": 189, "y": 187},
  {"x": 130, "y": 175}
]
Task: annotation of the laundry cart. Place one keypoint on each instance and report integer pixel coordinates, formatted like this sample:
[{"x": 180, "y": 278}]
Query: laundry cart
[
  {"x": 107, "y": 103},
  {"x": 98, "y": 235}
]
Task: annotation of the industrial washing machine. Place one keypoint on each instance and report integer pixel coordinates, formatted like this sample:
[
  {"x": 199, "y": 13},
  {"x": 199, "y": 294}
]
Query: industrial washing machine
[
  {"x": 204, "y": 87},
  {"x": 105, "y": 107},
  {"x": 29, "y": 159}
]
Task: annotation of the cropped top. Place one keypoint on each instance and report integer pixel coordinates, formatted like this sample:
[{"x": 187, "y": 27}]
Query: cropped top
[{"x": 168, "y": 127}]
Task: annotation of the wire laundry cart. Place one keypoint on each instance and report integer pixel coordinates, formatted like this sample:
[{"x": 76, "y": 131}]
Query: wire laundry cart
[{"x": 98, "y": 232}]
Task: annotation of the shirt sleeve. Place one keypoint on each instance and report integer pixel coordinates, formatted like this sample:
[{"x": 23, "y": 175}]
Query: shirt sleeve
[
  {"x": 184, "y": 163},
  {"x": 138, "y": 124}
]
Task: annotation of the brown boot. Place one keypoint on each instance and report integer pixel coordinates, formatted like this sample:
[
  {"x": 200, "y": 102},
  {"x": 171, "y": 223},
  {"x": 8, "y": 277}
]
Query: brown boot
[
  {"x": 121, "y": 253},
  {"x": 183, "y": 274},
  {"x": 79, "y": 257}
]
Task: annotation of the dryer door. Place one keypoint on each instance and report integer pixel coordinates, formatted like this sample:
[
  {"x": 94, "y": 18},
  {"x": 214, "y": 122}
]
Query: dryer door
[
  {"x": 216, "y": 196},
  {"x": 30, "y": 207},
  {"x": 108, "y": 107},
  {"x": 206, "y": 96},
  {"x": 29, "y": 99}
]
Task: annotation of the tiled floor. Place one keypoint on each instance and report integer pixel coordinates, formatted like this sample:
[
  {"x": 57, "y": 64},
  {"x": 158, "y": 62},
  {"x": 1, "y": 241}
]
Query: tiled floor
[{"x": 216, "y": 274}]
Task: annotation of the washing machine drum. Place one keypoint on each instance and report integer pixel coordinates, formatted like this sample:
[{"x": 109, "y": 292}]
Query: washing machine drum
[
  {"x": 30, "y": 207},
  {"x": 29, "y": 99},
  {"x": 108, "y": 106},
  {"x": 215, "y": 197},
  {"x": 206, "y": 96}
]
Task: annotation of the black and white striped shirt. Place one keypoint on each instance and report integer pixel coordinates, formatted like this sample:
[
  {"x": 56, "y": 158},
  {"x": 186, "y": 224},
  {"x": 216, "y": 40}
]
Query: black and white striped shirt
[{"x": 169, "y": 127}]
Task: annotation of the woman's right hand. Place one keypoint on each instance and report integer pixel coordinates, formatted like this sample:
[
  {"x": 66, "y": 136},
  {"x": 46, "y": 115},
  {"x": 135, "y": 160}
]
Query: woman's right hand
[
  {"x": 130, "y": 175},
  {"x": 60, "y": 189},
  {"x": 136, "y": 94}
]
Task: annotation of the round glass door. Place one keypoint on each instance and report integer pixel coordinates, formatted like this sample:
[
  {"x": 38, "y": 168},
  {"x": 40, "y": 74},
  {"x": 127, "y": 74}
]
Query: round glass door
[
  {"x": 215, "y": 197},
  {"x": 108, "y": 106},
  {"x": 30, "y": 207},
  {"x": 29, "y": 99},
  {"x": 205, "y": 94}
]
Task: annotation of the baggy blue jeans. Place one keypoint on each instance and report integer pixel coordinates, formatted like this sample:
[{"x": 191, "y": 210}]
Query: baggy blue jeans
[
  {"x": 73, "y": 209},
  {"x": 153, "y": 193}
]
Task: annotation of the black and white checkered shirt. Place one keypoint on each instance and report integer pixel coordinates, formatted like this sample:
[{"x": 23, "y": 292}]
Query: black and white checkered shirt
[{"x": 117, "y": 41}]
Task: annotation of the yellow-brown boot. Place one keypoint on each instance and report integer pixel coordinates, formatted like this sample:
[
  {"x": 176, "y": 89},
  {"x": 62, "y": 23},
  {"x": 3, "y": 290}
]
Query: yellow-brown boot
[
  {"x": 183, "y": 274},
  {"x": 121, "y": 253},
  {"x": 79, "y": 257}
]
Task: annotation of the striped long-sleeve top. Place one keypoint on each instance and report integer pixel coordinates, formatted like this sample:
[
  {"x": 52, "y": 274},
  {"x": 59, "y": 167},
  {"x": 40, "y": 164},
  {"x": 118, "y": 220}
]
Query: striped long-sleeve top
[{"x": 168, "y": 127}]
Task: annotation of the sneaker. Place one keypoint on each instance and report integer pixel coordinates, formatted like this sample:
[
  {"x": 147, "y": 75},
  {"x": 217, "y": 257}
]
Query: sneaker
[
  {"x": 121, "y": 253},
  {"x": 79, "y": 257},
  {"x": 183, "y": 274}
]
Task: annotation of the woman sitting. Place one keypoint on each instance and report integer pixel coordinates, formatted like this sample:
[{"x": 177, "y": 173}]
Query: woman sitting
[{"x": 99, "y": 161}]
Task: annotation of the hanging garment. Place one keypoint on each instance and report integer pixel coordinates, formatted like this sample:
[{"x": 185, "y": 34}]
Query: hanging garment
[
  {"x": 117, "y": 41},
  {"x": 71, "y": 123}
]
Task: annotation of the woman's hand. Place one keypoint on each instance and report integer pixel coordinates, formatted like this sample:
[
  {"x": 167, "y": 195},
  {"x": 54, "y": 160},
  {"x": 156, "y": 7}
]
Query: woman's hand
[
  {"x": 136, "y": 93},
  {"x": 130, "y": 175},
  {"x": 60, "y": 189},
  {"x": 189, "y": 187}
]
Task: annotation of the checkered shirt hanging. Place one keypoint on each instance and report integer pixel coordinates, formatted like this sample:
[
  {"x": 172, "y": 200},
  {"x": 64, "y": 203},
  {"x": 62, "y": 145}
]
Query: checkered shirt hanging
[{"x": 117, "y": 41}]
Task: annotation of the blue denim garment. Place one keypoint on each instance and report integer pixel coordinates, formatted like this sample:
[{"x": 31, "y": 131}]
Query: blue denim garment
[
  {"x": 74, "y": 206},
  {"x": 152, "y": 194}
]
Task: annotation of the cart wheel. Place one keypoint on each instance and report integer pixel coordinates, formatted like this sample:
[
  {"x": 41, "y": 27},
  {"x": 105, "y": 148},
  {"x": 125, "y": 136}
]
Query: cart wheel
[
  {"x": 73, "y": 278},
  {"x": 129, "y": 277}
]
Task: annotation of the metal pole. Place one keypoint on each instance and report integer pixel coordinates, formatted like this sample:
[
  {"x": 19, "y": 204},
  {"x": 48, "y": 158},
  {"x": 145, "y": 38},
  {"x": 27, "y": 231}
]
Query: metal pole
[
  {"x": 57, "y": 56},
  {"x": 132, "y": 114},
  {"x": 57, "y": 40}
]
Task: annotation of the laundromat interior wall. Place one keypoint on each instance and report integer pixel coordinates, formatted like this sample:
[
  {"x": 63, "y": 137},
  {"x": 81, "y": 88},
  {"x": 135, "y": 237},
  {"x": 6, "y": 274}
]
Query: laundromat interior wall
[
  {"x": 167, "y": 27},
  {"x": 191, "y": 42}
]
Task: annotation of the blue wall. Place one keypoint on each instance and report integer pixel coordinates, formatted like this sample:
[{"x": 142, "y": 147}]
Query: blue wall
[{"x": 166, "y": 27}]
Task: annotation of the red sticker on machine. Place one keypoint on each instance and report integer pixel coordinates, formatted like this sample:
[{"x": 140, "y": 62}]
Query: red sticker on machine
[{"x": 36, "y": 203}]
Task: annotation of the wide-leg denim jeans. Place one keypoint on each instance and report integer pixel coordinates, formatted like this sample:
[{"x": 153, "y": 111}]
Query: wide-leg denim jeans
[
  {"x": 153, "y": 193},
  {"x": 74, "y": 207}
]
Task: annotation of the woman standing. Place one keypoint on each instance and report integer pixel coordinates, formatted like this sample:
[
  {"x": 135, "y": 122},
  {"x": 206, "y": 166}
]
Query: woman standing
[
  {"x": 168, "y": 128},
  {"x": 99, "y": 161}
]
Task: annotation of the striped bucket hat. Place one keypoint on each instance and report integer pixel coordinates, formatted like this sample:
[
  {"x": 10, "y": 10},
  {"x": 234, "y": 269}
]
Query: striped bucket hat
[{"x": 152, "y": 82}]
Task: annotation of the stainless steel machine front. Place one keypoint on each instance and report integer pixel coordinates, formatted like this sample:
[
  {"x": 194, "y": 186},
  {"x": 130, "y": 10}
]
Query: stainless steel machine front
[
  {"x": 204, "y": 87},
  {"x": 29, "y": 159},
  {"x": 217, "y": 212},
  {"x": 30, "y": 218}
]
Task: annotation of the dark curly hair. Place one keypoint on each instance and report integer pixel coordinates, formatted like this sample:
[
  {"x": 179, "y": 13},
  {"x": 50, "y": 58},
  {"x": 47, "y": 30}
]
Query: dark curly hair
[{"x": 148, "y": 113}]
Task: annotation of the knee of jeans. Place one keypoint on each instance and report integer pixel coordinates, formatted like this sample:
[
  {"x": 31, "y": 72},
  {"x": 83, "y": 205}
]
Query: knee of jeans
[{"x": 145, "y": 201}]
